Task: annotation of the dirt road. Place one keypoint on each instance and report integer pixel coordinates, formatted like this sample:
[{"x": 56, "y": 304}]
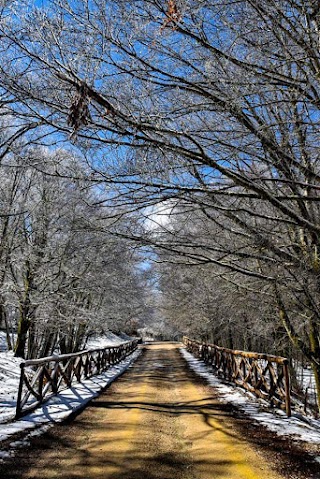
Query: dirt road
[{"x": 157, "y": 421}]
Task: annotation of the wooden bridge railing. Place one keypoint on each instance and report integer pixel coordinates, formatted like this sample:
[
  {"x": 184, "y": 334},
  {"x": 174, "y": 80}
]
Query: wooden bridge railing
[
  {"x": 44, "y": 377},
  {"x": 264, "y": 375}
]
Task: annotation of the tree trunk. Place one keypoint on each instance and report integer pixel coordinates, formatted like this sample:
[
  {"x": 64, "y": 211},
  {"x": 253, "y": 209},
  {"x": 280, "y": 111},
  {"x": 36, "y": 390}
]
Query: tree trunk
[
  {"x": 230, "y": 337},
  {"x": 23, "y": 328},
  {"x": 32, "y": 343},
  {"x": 24, "y": 324},
  {"x": 4, "y": 318},
  {"x": 316, "y": 371},
  {"x": 310, "y": 350},
  {"x": 48, "y": 344}
]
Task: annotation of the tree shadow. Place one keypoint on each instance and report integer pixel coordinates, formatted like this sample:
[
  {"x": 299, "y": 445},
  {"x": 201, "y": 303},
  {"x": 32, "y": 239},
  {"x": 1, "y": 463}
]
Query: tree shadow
[
  {"x": 57, "y": 454},
  {"x": 34, "y": 462}
]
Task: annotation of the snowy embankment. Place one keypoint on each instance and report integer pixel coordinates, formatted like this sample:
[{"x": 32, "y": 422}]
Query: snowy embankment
[
  {"x": 60, "y": 406},
  {"x": 296, "y": 427},
  {"x": 9, "y": 383}
]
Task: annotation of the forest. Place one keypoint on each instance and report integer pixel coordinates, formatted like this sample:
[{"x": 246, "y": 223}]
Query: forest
[{"x": 160, "y": 169}]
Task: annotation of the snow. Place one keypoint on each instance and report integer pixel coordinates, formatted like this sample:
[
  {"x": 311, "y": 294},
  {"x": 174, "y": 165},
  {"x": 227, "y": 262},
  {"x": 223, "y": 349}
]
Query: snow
[
  {"x": 158, "y": 216},
  {"x": 3, "y": 342},
  {"x": 306, "y": 377},
  {"x": 297, "y": 426},
  {"x": 307, "y": 384},
  {"x": 110, "y": 339},
  {"x": 61, "y": 406},
  {"x": 9, "y": 383},
  {"x": 69, "y": 400}
]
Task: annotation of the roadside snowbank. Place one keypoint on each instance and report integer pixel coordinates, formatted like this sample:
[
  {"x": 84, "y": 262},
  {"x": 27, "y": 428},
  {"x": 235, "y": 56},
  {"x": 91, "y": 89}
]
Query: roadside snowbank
[
  {"x": 9, "y": 383},
  {"x": 110, "y": 339},
  {"x": 297, "y": 427}
]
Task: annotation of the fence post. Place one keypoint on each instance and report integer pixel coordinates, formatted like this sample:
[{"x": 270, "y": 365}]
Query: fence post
[
  {"x": 18, "y": 406},
  {"x": 54, "y": 379},
  {"x": 286, "y": 375},
  {"x": 40, "y": 385}
]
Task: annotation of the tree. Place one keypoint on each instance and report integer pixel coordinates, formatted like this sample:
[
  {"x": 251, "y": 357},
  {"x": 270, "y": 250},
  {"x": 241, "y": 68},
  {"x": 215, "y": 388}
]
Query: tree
[
  {"x": 222, "y": 307},
  {"x": 62, "y": 275},
  {"x": 212, "y": 104}
]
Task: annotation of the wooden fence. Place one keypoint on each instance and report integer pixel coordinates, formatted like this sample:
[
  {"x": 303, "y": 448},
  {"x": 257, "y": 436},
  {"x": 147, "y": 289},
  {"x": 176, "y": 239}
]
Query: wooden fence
[
  {"x": 264, "y": 375},
  {"x": 44, "y": 377}
]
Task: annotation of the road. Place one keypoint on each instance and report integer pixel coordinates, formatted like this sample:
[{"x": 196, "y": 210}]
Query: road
[{"x": 156, "y": 421}]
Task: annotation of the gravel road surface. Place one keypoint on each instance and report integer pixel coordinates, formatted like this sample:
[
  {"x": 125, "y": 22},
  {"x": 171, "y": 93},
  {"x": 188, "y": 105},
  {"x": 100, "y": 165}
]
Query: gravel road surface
[{"x": 157, "y": 421}]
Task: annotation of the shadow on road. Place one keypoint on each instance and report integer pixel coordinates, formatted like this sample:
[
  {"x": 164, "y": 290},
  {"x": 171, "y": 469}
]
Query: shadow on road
[{"x": 137, "y": 430}]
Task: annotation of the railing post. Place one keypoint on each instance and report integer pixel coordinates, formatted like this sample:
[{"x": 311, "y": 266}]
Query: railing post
[
  {"x": 18, "y": 405},
  {"x": 99, "y": 362},
  {"x": 287, "y": 386},
  {"x": 54, "y": 379},
  {"x": 86, "y": 365},
  {"x": 40, "y": 384}
]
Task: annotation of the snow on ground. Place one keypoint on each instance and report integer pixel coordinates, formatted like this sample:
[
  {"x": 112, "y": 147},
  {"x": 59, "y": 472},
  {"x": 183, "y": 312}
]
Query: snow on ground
[
  {"x": 110, "y": 339},
  {"x": 69, "y": 400},
  {"x": 305, "y": 377},
  {"x": 61, "y": 406},
  {"x": 10, "y": 373},
  {"x": 297, "y": 427},
  {"x": 307, "y": 383},
  {"x": 9, "y": 383},
  {"x": 3, "y": 341}
]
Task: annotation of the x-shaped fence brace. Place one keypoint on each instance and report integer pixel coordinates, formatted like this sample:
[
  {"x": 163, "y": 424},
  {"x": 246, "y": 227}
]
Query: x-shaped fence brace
[
  {"x": 264, "y": 375},
  {"x": 44, "y": 377}
]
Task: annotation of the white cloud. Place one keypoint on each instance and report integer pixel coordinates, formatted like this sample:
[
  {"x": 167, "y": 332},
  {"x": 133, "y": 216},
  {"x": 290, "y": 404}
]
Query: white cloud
[{"x": 158, "y": 217}]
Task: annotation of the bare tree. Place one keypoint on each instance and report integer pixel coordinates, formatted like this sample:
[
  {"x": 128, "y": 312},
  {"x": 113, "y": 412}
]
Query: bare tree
[
  {"x": 212, "y": 103},
  {"x": 63, "y": 275}
]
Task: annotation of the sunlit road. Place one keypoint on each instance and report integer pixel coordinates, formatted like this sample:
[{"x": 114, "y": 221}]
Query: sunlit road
[{"x": 156, "y": 421}]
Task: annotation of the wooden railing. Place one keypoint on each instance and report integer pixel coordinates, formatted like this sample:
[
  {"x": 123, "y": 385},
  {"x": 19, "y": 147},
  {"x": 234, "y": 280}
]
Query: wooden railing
[
  {"x": 42, "y": 378},
  {"x": 264, "y": 375}
]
